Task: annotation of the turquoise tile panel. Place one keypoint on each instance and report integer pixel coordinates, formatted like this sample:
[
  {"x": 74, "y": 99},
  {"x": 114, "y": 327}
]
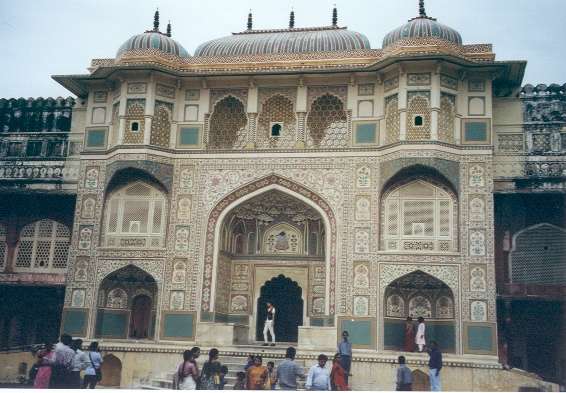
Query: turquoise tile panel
[
  {"x": 74, "y": 322},
  {"x": 366, "y": 133},
  {"x": 480, "y": 338},
  {"x": 360, "y": 331},
  {"x": 178, "y": 326}
]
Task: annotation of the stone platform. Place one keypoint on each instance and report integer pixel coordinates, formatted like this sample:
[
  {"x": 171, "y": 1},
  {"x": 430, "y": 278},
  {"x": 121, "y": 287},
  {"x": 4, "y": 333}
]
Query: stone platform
[{"x": 151, "y": 366}]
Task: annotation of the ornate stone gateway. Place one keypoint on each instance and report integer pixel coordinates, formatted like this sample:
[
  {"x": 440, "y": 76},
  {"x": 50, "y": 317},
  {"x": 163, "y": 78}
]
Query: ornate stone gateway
[{"x": 269, "y": 247}]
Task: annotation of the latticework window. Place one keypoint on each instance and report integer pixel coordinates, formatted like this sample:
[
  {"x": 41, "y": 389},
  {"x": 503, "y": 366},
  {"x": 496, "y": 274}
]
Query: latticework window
[
  {"x": 161, "y": 124},
  {"x": 135, "y": 217},
  {"x": 279, "y": 109},
  {"x": 391, "y": 119},
  {"x": 3, "y": 246},
  {"x": 447, "y": 116},
  {"x": 419, "y": 217},
  {"x": 134, "y": 114},
  {"x": 418, "y": 107},
  {"x": 228, "y": 124},
  {"x": 327, "y": 123},
  {"x": 43, "y": 247}
]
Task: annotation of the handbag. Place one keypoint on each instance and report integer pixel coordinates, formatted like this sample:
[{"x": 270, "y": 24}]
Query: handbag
[{"x": 97, "y": 370}]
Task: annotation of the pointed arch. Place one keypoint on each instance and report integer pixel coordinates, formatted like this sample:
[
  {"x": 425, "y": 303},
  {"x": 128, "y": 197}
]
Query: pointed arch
[{"x": 238, "y": 196}]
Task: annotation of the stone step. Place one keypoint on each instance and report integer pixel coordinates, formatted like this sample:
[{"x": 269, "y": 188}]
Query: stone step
[{"x": 150, "y": 387}]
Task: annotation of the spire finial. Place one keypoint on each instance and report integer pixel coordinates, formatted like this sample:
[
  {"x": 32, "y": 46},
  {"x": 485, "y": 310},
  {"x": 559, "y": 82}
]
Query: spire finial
[
  {"x": 422, "y": 11},
  {"x": 169, "y": 29},
  {"x": 156, "y": 20},
  {"x": 292, "y": 19},
  {"x": 250, "y": 20},
  {"x": 335, "y": 16}
]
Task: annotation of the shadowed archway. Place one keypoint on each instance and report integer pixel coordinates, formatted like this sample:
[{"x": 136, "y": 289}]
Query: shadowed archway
[{"x": 285, "y": 295}]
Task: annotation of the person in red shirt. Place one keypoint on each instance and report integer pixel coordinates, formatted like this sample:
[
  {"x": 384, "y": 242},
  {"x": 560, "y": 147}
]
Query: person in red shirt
[{"x": 338, "y": 375}]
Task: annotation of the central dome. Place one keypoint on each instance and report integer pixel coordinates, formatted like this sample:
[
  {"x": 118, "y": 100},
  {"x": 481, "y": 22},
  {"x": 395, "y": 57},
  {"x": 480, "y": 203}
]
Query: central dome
[
  {"x": 299, "y": 40},
  {"x": 422, "y": 27}
]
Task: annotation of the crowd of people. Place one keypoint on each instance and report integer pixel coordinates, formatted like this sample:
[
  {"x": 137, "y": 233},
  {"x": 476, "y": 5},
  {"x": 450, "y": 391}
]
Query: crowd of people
[
  {"x": 59, "y": 366},
  {"x": 257, "y": 376}
]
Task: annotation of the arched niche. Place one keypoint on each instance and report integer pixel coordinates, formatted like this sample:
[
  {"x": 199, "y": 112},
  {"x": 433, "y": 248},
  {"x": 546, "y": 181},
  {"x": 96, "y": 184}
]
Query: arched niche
[
  {"x": 111, "y": 371},
  {"x": 419, "y": 294},
  {"x": 419, "y": 214},
  {"x": 127, "y": 305},
  {"x": 135, "y": 215}
]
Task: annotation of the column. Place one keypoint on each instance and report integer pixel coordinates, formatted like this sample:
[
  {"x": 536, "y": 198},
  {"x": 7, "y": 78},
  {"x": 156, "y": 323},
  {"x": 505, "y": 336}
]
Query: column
[
  {"x": 252, "y": 116},
  {"x": 402, "y": 99},
  {"x": 301, "y": 106},
  {"x": 122, "y": 111},
  {"x": 434, "y": 104},
  {"x": 149, "y": 110}
]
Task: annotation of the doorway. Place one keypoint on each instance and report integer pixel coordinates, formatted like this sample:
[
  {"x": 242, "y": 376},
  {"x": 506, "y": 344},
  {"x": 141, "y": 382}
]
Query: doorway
[
  {"x": 285, "y": 295},
  {"x": 141, "y": 316}
]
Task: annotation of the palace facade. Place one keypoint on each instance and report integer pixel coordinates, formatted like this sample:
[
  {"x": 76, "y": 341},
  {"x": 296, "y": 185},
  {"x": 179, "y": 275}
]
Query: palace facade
[{"x": 352, "y": 187}]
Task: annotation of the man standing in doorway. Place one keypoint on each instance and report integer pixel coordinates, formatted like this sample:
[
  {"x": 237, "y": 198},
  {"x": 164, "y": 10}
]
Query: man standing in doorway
[
  {"x": 434, "y": 365},
  {"x": 269, "y": 325},
  {"x": 345, "y": 351}
]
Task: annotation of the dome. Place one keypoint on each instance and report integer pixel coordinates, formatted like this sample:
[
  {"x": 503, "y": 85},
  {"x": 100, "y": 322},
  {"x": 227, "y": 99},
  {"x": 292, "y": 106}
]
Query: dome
[
  {"x": 293, "y": 40},
  {"x": 154, "y": 40},
  {"x": 422, "y": 27}
]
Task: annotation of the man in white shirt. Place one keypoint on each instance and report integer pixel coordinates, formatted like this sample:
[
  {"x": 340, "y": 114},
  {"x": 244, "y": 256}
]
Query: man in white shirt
[
  {"x": 61, "y": 374},
  {"x": 319, "y": 376},
  {"x": 420, "y": 336},
  {"x": 80, "y": 362},
  {"x": 269, "y": 325}
]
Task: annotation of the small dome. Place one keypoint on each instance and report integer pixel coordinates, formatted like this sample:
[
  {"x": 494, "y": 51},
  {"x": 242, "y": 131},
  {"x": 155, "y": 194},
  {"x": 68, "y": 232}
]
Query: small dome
[
  {"x": 299, "y": 40},
  {"x": 422, "y": 27},
  {"x": 153, "y": 40}
]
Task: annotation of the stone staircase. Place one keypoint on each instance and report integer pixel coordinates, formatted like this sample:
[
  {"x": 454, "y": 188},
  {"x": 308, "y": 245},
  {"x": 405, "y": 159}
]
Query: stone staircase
[{"x": 234, "y": 364}]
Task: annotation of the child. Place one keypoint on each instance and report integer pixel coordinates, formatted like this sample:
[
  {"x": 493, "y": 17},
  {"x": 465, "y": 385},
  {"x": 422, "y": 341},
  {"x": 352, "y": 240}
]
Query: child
[
  {"x": 223, "y": 373},
  {"x": 240, "y": 381},
  {"x": 271, "y": 376},
  {"x": 404, "y": 380}
]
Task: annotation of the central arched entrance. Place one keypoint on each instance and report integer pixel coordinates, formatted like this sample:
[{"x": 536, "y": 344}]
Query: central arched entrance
[{"x": 286, "y": 295}]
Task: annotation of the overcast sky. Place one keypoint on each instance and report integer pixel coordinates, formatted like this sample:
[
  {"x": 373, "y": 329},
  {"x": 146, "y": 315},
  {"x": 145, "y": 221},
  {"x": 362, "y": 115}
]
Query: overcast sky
[{"x": 46, "y": 37}]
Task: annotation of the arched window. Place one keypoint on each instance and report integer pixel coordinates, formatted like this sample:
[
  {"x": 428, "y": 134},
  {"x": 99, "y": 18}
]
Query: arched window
[
  {"x": 43, "y": 247},
  {"x": 419, "y": 217},
  {"x": 135, "y": 217}
]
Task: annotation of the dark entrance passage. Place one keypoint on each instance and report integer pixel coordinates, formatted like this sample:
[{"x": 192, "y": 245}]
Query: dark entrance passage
[
  {"x": 141, "y": 315},
  {"x": 285, "y": 295},
  {"x": 29, "y": 315},
  {"x": 533, "y": 334}
]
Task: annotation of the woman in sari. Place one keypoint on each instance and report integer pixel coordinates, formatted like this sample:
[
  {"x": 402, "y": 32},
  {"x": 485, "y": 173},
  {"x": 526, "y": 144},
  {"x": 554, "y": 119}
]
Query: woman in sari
[
  {"x": 46, "y": 359},
  {"x": 256, "y": 375},
  {"x": 338, "y": 375},
  {"x": 211, "y": 370},
  {"x": 187, "y": 374},
  {"x": 409, "y": 342}
]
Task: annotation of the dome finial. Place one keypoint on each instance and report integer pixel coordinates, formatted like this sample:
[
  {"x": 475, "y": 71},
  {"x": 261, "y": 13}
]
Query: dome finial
[
  {"x": 292, "y": 19},
  {"x": 169, "y": 29},
  {"x": 250, "y": 20},
  {"x": 156, "y": 20},
  {"x": 335, "y": 16},
  {"x": 422, "y": 12}
]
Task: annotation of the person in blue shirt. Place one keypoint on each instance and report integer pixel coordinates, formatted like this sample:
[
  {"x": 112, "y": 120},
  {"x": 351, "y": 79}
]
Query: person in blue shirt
[
  {"x": 345, "y": 351},
  {"x": 434, "y": 365},
  {"x": 319, "y": 376}
]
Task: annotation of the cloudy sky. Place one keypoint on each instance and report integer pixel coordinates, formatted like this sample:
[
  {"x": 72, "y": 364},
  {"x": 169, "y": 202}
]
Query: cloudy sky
[{"x": 46, "y": 37}]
